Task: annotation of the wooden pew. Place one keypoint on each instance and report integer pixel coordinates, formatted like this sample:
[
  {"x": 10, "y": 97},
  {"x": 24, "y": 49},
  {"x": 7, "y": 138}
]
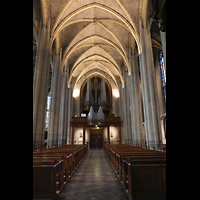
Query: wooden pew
[
  {"x": 126, "y": 159},
  {"x": 63, "y": 162},
  {"x": 54, "y": 166},
  {"x": 44, "y": 162},
  {"x": 118, "y": 151},
  {"x": 44, "y": 181},
  {"x": 141, "y": 170},
  {"x": 68, "y": 164},
  {"x": 147, "y": 178},
  {"x": 59, "y": 169},
  {"x": 124, "y": 156},
  {"x": 77, "y": 152}
]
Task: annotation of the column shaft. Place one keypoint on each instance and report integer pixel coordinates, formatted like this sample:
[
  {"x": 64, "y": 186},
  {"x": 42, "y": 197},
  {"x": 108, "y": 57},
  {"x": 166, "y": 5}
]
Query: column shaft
[
  {"x": 152, "y": 122},
  {"x": 84, "y": 135},
  {"x": 145, "y": 91},
  {"x": 108, "y": 134},
  {"x": 40, "y": 86},
  {"x": 55, "y": 102},
  {"x": 62, "y": 117}
]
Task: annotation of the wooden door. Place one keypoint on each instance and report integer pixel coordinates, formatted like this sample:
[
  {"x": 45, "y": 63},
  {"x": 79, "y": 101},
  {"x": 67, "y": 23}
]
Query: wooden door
[{"x": 96, "y": 138}]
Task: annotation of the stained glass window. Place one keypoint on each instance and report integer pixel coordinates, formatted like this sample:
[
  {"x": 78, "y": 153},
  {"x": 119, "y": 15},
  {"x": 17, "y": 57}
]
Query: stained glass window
[
  {"x": 163, "y": 73},
  {"x": 48, "y": 108}
]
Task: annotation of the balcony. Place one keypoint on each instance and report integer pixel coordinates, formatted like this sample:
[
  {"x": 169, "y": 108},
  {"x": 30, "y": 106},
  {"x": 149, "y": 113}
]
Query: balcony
[{"x": 108, "y": 120}]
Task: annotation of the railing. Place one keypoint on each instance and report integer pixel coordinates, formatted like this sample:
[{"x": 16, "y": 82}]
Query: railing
[{"x": 107, "y": 120}]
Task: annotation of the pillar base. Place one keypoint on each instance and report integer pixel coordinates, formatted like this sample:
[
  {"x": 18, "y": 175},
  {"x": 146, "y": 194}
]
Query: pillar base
[
  {"x": 51, "y": 143},
  {"x": 38, "y": 145}
]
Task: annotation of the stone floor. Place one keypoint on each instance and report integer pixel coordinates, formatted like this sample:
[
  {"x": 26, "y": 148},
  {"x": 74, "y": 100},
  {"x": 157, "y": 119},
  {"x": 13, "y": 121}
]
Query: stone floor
[{"x": 94, "y": 179}]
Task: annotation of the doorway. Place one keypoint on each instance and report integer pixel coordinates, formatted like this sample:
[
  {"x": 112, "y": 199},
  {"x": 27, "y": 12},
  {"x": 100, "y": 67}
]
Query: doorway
[{"x": 96, "y": 138}]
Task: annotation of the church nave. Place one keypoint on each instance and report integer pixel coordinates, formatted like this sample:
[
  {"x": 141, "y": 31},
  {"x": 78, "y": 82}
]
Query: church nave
[{"x": 99, "y": 81}]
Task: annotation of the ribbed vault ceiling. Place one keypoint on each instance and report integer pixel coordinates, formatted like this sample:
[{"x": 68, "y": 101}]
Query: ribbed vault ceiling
[{"x": 93, "y": 35}]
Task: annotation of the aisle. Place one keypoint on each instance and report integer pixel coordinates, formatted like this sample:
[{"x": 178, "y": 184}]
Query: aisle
[{"x": 94, "y": 179}]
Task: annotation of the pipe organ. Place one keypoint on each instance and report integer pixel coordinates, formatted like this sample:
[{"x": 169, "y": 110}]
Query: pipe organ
[{"x": 96, "y": 94}]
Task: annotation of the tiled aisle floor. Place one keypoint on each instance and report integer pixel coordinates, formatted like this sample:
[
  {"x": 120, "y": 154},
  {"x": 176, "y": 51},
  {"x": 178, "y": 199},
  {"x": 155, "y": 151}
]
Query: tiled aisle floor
[{"x": 94, "y": 179}]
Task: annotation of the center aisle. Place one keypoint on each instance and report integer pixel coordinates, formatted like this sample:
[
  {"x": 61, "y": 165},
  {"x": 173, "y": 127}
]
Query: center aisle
[{"x": 94, "y": 179}]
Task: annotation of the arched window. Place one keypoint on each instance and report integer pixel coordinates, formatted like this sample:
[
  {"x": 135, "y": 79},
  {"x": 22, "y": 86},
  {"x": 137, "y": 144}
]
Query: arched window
[
  {"x": 163, "y": 73},
  {"x": 47, "y": 113}
]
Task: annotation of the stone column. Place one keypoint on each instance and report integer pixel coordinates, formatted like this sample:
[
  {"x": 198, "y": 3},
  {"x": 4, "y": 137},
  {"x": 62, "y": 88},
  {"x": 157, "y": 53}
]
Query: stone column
[
  {"x": 125, "y": 114},
  {"x": 62, "y": 117},
  {"x": 152, "y": 122},
  {"x": 133, "y": 110},
  {"x": 70, "y": 109},
  {"x": 153, "y": 89},
  {"x": 84, "y": 135},
  {"x": 121, "y": 109},
  {"x": 132, "y": 104},
  {"x": 120, "y": 138},
  {"x": 66, "y": 73},
  {"x": 72, "y": 141},
  {"x": 108, "y": 134},
  {"x": 55, "y": 102},
  {"x": 128, "y": 110},
  {"x": 120, "y": 97},
  {"x": 145, "y": 90},
  {"x": 137, "y": 102},
  {"x": 40, "y": 86}
]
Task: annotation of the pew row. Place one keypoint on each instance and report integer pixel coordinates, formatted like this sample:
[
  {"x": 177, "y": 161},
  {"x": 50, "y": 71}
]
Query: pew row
[
  {"x": 141, "y": 171},
  {"x": 53, "y": 167}
]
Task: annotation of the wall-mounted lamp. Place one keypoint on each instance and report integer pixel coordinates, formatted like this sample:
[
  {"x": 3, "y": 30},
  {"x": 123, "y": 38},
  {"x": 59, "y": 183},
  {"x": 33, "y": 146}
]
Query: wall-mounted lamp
[
  {"x": 116, "y": 93},
  {"x": 96, "y": 126},
  {"x": 75, "y": 93},
  {"x": 111, "y": 134},
  {"x": 80, "y": 139}
]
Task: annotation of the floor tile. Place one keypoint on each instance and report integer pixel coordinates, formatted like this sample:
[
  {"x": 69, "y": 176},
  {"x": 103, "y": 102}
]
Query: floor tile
[{"x": 94, "y": 179}]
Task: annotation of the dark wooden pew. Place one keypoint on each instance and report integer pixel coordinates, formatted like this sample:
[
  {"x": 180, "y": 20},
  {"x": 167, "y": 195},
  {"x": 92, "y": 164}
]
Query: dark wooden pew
[
  {"x": 44, "y": 162},
  {"x": 124, "y": 156},
  {"x": 44, "y": 181},
  {"x": 141, "y": 170},
  {"x": 52, "y": 167},
  {"x": 147, "y": 178},
  {"x": 68, "y": 161},
  {"x": 63, "y": 162},
  {"x": 76, "y": 151},
  {"x": 59, "y": 169}
]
